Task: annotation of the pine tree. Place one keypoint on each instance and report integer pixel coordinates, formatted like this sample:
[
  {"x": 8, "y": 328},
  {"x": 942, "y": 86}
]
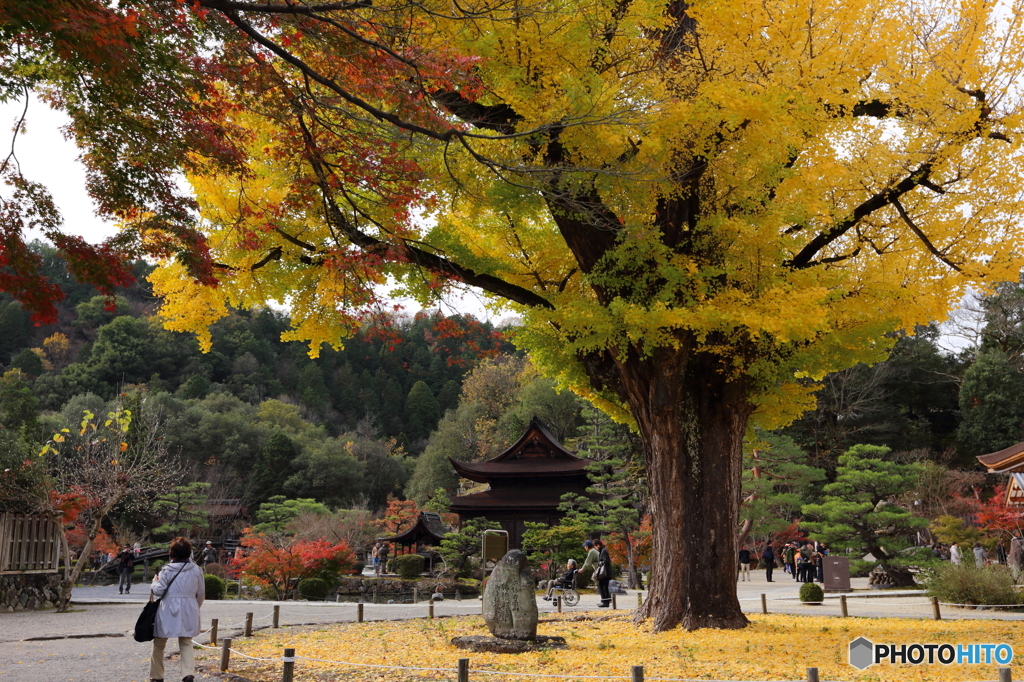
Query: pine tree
[
  {"x": 775, "y": 480},
  {"x": 991, "y": 405},
  {"x": 421, "y": 412},
  {"x": 859, "y": 511},
  {"x": 270, "y": 471}
]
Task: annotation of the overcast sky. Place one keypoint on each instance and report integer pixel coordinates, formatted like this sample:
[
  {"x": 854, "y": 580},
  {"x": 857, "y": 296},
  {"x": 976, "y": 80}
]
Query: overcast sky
[{"x": 46, "y": 157}]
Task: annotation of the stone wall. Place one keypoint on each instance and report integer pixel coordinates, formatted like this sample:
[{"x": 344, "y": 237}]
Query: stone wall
[
  {"x": 28, "y": 591},
  {"x": 393, "y": 586}
]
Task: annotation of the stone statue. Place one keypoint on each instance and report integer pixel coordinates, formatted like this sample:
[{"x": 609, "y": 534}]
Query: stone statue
[{"x": 510, "y": 605}]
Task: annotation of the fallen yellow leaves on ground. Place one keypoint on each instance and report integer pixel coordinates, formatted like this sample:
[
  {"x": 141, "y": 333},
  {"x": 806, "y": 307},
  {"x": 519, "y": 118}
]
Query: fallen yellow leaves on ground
[{"x": 773, "y": 647}]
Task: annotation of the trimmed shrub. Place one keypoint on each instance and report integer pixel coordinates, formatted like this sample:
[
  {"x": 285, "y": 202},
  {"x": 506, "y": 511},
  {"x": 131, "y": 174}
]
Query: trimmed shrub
[
  {"x": 811, "y": 592},
  {"x": 216, "y": 569},
  {"x": 215, "y": 586},
  {"x": 967, "y": 584},
  {"x": 314, "y": 588},
  {"x": 583, "y": 578},
  {"x": 409, "y": 566},
  {"x": 232, "y": 588}
]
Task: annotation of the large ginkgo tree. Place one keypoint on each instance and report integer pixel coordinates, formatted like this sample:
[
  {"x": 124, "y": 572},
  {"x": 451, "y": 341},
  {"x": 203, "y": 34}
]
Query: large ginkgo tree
[{"x": 697, "y": 208}]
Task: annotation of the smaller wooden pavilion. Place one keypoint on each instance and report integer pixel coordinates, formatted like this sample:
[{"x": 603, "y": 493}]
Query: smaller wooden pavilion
[
  {"x": 422, "y": 538},
  {"x": 525, "y": 483},
  {"x": 1008, "y": 461}
]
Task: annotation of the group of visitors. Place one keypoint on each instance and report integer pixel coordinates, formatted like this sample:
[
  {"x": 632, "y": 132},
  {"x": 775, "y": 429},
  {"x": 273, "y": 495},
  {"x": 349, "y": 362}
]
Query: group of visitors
[
  {"x": 956, "y": 555},
  {"x": 129, "y": 556},
  {"x": 379, "y": 554},
  {"x": 803, "y": 560},
  {"x": 598, "y": 561}
]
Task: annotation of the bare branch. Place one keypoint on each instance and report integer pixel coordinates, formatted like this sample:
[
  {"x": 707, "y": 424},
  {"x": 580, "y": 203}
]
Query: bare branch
[{"x": 921, "y": 235}]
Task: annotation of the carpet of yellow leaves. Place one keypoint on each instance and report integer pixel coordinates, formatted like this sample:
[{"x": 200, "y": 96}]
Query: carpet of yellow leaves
[{"x": 773, "y": 647}]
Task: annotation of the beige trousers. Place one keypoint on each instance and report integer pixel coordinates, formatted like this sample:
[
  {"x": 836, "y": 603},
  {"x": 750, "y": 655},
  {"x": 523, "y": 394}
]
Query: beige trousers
[{"x": 188, "y": 657}]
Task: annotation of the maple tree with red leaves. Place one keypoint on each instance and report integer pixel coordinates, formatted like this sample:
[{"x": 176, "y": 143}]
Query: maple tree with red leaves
[
  {"x": 994, "y": 515},
  {"x": 279, "y": 562},
  {"x": 399, "y": 516}
]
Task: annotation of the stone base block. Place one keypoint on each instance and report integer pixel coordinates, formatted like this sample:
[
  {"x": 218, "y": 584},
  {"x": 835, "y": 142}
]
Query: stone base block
[{"x": 477, "y": 644}]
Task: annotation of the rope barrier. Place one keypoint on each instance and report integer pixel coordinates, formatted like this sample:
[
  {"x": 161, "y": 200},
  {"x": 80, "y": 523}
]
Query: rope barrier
[
  {"x": 377, "y": 665},
  {"x": 987, "y": 606}
]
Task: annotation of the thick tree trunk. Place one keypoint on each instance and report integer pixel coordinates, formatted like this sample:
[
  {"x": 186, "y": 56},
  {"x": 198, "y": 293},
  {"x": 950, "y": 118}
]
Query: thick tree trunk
[{"x": 692, "y": 420}]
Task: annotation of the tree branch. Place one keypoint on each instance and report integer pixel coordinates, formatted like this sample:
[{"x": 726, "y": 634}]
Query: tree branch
[
  {"x": 921, "y": 235},
  {"x": 804, "y": 258},
  {"x": 500, "y": 118},
  {"x": 289, "y": 8},
  {"x": 425, "y": 259}
]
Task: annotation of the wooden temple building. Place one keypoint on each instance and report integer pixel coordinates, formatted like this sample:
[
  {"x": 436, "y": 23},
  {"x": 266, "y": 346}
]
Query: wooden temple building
[
  {"x": 525, "y": 483},
  {"x": 1008, "y": 461},
  {"x": 424, "y": 536}
]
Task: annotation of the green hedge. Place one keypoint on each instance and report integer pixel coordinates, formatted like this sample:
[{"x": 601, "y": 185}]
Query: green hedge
[
  {"x": 408, "y": 566},
  {"x": 215, "y": 586},
  {"x": 314, "y": 588},
  {"x": 967, "y": 584}
]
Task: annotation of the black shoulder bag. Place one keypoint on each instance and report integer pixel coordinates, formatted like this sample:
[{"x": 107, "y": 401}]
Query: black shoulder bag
[{"x": 146, "y": 624}]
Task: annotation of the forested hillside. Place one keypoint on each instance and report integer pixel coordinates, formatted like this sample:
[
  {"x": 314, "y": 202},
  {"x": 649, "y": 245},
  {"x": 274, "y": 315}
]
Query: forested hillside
[{"x": 256, "y": 416}]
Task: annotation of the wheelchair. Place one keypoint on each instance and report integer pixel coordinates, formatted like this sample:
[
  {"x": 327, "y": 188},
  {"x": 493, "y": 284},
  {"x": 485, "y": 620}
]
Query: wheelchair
[{"x": 568, "y": 595}]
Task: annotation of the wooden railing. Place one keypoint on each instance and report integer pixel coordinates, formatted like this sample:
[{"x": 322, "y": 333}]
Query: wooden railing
[{"x": 29, "y": 543}]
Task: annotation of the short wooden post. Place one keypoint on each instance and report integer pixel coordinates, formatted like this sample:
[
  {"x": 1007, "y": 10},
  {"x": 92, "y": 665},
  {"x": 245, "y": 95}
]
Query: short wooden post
[
  {"x": 936, "y": 614},
  {"x": 289, "y": 666},
  {"x": 225, "y": 654},
  {"x": 458, "y": 596},
  {"x": 213, "y": 632},
  {"x": 415, "y": 595},
  {"x": 248, "y": 624},
  {"x": 812, "y": 675},
  {"x": 430, "y": 609},
  {"x": 764, "y": 603},
  {"x": 614, "y": 604},
  {"x": 1004, "y": 675},
  {"x": 277, "y": 616},
  {"x": 842, "y": 606},
  {"x": 638, "y": 673},
  {"x": 463, "y": 670},
  {"x": 558, "y": 603},
  {"x": 375, "y": 595},
  {"x": 359, "y": 612}
]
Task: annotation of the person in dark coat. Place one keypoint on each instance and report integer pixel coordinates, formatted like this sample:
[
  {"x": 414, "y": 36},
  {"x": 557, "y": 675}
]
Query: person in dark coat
[
  {"x": 603, "y": 583},
  {"x": 768, "y": 555},
  {"x": 125, "y": 568},
  {"x": 209, "y": 555},
  {"x": 744, "y": 563}
]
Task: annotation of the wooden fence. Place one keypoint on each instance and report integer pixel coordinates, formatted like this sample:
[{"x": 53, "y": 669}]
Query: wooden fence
[{"x": 28, "y": 543}]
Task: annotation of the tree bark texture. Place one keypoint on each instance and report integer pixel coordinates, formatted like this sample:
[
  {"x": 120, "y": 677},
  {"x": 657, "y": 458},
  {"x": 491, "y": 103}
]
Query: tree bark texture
[{"x": 692, "y": 419}]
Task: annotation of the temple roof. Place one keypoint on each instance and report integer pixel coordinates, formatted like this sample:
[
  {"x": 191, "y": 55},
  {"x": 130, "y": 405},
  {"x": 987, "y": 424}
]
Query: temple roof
[
  {"x": 1005, "y": 459},
  {"x": 428, "y": 527},
  {"x": 537, "y": 453}
]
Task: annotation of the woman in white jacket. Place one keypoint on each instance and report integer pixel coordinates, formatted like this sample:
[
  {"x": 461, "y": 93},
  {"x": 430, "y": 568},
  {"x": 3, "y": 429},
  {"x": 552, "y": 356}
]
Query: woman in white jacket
[{"x": 181, "y": 588}]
